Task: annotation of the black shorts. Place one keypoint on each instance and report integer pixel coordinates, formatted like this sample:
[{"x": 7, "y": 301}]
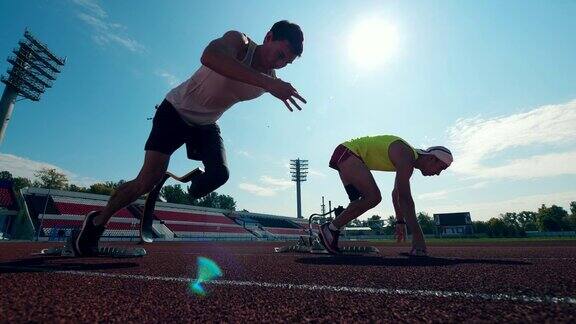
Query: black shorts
[
  {"x": 169, "y": 132},
  {"x": 341, "y": 153}
]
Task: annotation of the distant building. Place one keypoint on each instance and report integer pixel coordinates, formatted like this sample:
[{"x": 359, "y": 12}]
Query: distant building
[{"x": 453, "y": 224}]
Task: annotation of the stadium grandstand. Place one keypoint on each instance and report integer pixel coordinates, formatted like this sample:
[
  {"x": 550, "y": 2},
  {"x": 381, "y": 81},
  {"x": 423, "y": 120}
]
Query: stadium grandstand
[
  {"x": 8, "y": 206},
  {"x": 52, "y": 215},
  {"x": 271, "y": 226}
]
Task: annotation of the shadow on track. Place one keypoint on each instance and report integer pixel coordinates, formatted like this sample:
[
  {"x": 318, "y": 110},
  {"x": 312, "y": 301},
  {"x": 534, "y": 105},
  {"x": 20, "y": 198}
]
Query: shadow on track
[
  {"x": 363, "y": 260},
  {"x": 40, "y": 264}
]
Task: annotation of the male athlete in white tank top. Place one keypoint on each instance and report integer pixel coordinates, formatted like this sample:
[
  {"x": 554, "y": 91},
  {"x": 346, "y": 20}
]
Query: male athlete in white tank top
[
  {"x": 206, "y": 95},
  {"x": 234, "y": 69}
]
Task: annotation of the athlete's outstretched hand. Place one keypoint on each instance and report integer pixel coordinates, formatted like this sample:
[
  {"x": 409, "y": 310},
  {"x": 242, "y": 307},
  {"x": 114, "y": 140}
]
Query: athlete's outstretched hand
[
  {"x": 400, "y": 233},
  {"x": 285, "y": 92}
]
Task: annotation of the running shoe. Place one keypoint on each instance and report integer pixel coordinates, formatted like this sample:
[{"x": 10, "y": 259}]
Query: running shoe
[
  {"x": 86, "y": 242},
  {"x": 329, "y": 238}
]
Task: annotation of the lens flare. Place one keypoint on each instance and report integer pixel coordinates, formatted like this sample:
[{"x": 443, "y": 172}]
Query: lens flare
[{"x": 207, "y": 270}]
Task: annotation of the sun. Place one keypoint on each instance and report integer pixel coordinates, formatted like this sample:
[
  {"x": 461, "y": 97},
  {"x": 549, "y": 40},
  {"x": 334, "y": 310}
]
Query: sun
[{"x": 372, "y": 42}]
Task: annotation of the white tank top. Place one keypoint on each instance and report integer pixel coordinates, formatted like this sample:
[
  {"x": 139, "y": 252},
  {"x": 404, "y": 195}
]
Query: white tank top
[{"x": 206, "y": 95}]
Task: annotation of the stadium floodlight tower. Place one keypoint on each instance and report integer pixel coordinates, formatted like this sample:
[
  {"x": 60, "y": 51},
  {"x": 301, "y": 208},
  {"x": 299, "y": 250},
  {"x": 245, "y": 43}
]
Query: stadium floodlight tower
[
  {"x": 34, "y": 68},
  {"x": 298, "y": 169}
]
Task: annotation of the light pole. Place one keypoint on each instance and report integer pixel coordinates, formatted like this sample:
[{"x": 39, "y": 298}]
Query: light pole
[
  {"x": 298, "y": 170},
  {"x": 34, "y": 68}
]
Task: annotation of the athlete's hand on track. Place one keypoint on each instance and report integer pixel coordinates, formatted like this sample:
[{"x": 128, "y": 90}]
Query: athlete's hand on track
[
  {"x": 285, "y": 92},
  {"x": 400, "y": 233}
]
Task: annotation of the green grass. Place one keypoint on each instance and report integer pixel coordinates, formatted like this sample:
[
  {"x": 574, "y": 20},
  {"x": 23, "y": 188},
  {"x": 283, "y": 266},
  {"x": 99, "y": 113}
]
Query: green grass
[{"x": 460, "y": 240}]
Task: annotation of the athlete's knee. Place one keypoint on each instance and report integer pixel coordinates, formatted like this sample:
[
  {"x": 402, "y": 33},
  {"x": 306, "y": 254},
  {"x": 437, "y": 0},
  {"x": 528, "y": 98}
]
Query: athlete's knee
[
  {"x": 218, "y": 176},
  {"x": 353, "y": 193},
  {"x": 373, "y": 199},
  {"x": 146, "y": 182}
]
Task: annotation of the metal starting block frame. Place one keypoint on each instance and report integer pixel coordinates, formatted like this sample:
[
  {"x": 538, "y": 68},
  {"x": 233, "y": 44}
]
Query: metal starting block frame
[
  {"x": 105, "y": 252},
  {"x": 311, "y": 243}
]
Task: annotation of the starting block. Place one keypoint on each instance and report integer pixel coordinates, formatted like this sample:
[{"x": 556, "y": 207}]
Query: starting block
[
  {"x": 311, "y": 243},
  {"x": 105, "y": 252},
  {"x": 315, "y": 247}
]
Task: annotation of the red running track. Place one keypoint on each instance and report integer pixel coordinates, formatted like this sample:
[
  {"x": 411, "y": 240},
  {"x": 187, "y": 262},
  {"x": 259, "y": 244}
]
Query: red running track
[{"x": 518, "y": 282}]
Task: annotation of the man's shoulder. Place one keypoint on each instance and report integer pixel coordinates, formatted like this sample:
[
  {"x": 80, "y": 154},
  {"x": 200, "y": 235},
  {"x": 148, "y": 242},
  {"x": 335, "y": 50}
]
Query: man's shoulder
[
  {"x": 236, "y": 36},
  {"x": 401, "y": 153}
]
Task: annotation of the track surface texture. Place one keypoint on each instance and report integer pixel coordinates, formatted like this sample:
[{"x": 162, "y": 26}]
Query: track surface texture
[{"x": 486, "y": 282}]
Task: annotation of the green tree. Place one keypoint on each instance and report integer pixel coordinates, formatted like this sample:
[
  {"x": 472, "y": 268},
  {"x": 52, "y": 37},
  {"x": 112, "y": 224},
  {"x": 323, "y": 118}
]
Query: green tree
[
  {"x": 390, "y": 224},
  {"x": 480, "y": 227},
  {"x": 375, "y": 223},
  {"x": 512, "y": 225},
  {"x": 215, "y": 200},
  {"x": 226, "y": 202},
  {"x": 528, "y": 220},
  {"x": 19, "y": 182},
  {"x": 50, "y": 178},
  {"x": 572, "y": 216},
  {"x": 426, "y": 223},
  {"x": 510, "y": 219},
  {"x": 356, "y": 223},
  {"x": 496, "y": 227},
  {"x": 75, "y": 188},
  {"x": 105, "y": 188},
  {"x": 553, "y": 218},
  {"x": 175, "y": 194},
  {"x": 102, "y": 188}
]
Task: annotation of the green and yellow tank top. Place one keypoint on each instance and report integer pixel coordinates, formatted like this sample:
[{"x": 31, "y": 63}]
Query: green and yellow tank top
[{"x": 374, "y": 150}]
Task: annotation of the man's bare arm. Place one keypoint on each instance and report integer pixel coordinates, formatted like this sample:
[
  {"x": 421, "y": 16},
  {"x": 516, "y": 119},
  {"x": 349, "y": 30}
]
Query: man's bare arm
[
  {"x": 403, "y": 158},
  {"x": 402, "y": 186},
  {"x": 221, "y": 56},
  {"x": 395, "y": 202}
]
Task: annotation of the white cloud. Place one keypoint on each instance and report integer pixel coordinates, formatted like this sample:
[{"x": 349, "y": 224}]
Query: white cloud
[
  {"x": 487, "y": 210},
  {"x": 476, "y": 140},
  {"x": 443, "y": 194},
  {"x": 257, "y": 190},
  {"x": 277, "y": 184},
  {"x": 23, "y": 167},
  {"x": 244, "y": 153},
  {"x": 170, "y": 79},
  {"x": 92, "y": 6},
  {"x": 538, "y": 166},
  {"x": 104, "y": 31},
  {"x": 436, "y": 195},
  {"x": 269, "y": 186},
  {"x": 317, "y": 173}
]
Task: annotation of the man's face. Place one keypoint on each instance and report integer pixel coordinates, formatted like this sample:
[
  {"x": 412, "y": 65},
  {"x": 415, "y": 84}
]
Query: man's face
[
  {"x": 276, "y": 54},
  {"x": 432, "y": 166}
]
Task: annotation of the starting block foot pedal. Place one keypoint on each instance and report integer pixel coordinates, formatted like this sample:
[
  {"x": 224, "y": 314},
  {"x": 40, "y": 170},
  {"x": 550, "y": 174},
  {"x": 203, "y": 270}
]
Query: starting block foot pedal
[
  {"x": 356, "y": 250},
  {"x": 313, "y": 245},
  {"x": 104, "y": 252}
]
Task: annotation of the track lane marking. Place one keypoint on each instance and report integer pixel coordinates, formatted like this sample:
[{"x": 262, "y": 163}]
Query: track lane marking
[{"x": 365, "y": 290}]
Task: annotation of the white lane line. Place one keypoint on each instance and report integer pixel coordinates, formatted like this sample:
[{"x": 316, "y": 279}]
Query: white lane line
[{"x": 364, "y": 290}]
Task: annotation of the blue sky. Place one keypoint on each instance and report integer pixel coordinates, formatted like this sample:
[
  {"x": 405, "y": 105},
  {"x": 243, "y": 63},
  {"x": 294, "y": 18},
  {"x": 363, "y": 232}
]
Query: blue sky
[{"x": 492, "y": 80}]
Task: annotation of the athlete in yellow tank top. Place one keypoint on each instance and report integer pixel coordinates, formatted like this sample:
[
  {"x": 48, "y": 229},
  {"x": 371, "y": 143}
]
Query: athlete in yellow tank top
[
  {"x": 355, "y": 159},
  {"x": 373, "y": 150}
]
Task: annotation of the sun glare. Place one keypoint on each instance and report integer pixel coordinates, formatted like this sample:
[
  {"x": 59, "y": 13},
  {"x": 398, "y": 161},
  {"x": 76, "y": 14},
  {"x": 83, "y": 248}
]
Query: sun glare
[{"x": 372, "y": 42}]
